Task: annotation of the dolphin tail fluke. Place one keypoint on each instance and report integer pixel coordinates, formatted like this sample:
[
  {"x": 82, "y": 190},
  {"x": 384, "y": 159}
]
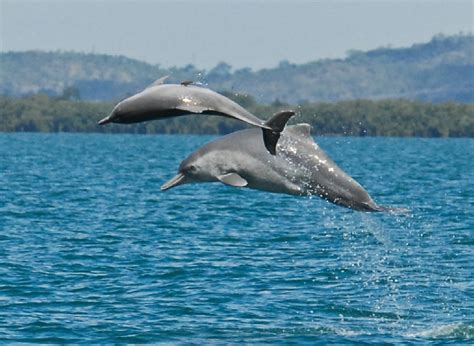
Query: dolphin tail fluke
[{"x": 277, "y": 123}]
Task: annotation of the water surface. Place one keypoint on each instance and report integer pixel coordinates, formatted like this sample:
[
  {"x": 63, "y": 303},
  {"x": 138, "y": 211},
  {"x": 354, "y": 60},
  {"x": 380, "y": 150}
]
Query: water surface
[{"x": 91, "y": 251}]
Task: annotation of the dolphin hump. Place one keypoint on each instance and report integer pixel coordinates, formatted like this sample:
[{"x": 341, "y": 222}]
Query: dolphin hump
[{"x": 302, "y": 129}]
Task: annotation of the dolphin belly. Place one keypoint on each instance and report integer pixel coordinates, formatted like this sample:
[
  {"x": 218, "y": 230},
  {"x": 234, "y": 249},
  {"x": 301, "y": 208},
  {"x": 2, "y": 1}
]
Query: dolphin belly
[{"x": 271, "y": 180}]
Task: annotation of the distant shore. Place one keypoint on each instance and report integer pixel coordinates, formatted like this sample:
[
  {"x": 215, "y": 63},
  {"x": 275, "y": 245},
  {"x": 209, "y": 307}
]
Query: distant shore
[
  {"x": 439, "y": 70},
  {"x": 390, "y": 117}
]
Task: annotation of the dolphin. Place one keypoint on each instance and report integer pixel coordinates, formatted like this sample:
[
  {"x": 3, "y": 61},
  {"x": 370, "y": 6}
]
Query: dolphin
[
  {"x": 159, "y": 101},
  {"x": 300, "y": 167}
]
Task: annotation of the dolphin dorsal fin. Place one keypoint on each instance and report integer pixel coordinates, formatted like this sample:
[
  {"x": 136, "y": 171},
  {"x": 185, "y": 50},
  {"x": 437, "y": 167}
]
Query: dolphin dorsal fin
[
  {"x": 159, "y": 81},
  {"x": 302, "y": 129}
]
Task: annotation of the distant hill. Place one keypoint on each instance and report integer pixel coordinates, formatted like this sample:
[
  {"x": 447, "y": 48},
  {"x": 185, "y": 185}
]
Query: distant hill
[{"x": 439, "y": 70}]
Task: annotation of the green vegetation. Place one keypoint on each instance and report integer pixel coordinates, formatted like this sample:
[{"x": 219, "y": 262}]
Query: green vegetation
[
  {"x": 440, "y": 70},
  {"x": 393, "y": 117}
]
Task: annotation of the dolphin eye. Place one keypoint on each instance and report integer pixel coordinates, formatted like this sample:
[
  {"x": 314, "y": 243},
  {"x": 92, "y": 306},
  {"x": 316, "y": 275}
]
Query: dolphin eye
[{"x": 192, "y": 168}]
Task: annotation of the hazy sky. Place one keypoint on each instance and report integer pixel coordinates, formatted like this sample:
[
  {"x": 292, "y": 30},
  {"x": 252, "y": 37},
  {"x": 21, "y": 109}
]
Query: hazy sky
[{"x": 243, "y": 33}]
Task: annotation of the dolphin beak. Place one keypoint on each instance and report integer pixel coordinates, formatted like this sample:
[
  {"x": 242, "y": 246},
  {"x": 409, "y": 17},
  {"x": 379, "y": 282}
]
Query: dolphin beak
[
  {"x": 178, "y": 179},
  {"x": 112, "y": 117},
  {"x": 106, "y": 120}
]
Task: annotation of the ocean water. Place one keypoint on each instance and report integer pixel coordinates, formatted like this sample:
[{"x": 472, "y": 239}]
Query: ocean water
[{"x": 92, "y": 252}]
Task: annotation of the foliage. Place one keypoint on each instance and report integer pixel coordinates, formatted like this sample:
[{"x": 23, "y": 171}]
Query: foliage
[
  {"x": 440, "y": 70},
  {"x": 391, "y": 117}
]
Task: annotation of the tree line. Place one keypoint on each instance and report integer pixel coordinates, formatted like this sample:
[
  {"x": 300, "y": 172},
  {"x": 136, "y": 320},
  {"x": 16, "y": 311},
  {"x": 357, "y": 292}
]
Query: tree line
[
  {"x": 390, "y": 117},
  {"x": 439, "y": 70}
]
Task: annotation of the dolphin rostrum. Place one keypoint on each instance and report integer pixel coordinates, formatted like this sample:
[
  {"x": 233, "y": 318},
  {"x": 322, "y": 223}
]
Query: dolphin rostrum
[
  {"x": 300, "y": 167},
  {"x": 160, "y": 101}
]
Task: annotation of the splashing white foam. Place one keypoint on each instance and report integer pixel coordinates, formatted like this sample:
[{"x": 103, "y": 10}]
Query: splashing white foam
[{"x": 453, "y": 330}]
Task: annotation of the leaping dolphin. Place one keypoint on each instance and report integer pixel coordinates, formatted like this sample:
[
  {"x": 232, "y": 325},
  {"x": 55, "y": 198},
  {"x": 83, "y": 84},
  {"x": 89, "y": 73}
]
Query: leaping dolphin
[
  {"x": 160, "y": 101},
  {"x": 300, "y": 167}
]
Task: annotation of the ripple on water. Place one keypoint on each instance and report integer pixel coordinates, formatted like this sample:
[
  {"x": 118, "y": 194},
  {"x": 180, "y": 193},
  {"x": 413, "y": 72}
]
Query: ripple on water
[{"x": 93, "y": 252}]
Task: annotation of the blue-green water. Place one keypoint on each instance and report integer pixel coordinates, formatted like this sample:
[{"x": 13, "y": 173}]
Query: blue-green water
[{"x": 91, "y": 251}]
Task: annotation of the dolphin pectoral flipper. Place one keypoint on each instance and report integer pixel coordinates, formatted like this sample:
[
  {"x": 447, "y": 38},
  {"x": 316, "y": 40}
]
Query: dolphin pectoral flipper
[
  {"x": 277, "y": 122},
  {"x": 233, "y": 179},
  {"x": 192, "y": 108}
]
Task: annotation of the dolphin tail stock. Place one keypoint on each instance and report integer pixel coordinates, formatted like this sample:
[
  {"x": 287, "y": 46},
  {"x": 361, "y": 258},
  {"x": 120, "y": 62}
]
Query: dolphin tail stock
[
  {"x": 277, "y": 123},
  {"x": 392, "y": 210}
]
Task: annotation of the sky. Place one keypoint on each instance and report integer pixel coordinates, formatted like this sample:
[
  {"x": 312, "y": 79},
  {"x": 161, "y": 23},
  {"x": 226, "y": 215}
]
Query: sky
[{"x": 256, "y": 34}]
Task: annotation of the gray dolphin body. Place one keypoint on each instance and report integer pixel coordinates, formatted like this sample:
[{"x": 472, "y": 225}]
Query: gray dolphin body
[
  {"x": 160, "y": 101},
  {"x": 300, "y": 167}
]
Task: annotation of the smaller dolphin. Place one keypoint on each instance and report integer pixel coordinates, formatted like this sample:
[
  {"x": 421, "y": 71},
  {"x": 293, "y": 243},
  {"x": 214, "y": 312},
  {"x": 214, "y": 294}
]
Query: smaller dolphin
[
  {"x": 300, "y": 167},
  {"x": 160, "y": 101}
]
